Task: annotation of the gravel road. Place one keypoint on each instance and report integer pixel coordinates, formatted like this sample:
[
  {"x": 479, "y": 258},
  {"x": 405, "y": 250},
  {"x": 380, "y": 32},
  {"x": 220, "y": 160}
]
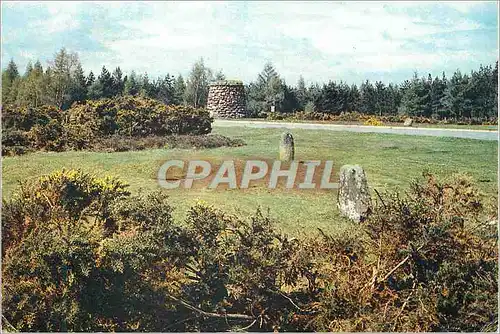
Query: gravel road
[{"x": 436, "y": 132}]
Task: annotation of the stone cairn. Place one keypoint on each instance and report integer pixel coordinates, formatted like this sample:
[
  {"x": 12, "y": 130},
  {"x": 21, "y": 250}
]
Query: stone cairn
[
  {"x": 287, "y": 147},
  {"x": 353, "y": 199},
  {"x": 226, "y": 99}
]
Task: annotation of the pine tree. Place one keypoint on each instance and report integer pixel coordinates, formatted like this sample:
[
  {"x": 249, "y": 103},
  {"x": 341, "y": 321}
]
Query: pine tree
[
  {"x": 367, "y": 105},
  {"x": 353, "y": 101},
  {"x": 47, "y": 85},
  {"x": 268, "y": 91},
  {"x": 118, "y": 82},
  {"x": 290, "y": 102},
  {"x": 482, "y": 92},
  {"x": 219, "y": 76},
  {"x": 301, "y": 93},
  {"x": 493, "y": 96},
  {"x": 90, "y": 79},
  {"x": 453, "y": 99},
  {"x": 29, "y": 68},
  {"x": 105, "y": 83},
  {"x": 313, "y": 93},
  {"x": 179, "y": 91},
  {"x": 393, "y": 98},
  {"x": 79, "y": 85},
  {"x": 131, "y": 85},
  {"x": 165, "y": 89},
  {"x": 32, "y": 90},
  {"x": 333, "y": 98},
  {"x": 147, "y": 88},
  {"x": 9, "y": 75},
  {"x": 381, "y": 98},
  {"x": 436, "y": 97},
  {"x": 411, "y": 97}
]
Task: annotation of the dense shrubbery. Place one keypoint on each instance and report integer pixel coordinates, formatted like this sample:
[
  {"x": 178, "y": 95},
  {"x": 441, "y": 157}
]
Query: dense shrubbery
[
  {"x": 211, "y": 141},
  {"x": 358, "y": 117},
  {"x": 373, "y": 121},
  {"x": 84, "y": 124},
  {"x": 135, "y": 116},
  {"x": 82, "y": 254},
  {"x": 117, "y": 143}
]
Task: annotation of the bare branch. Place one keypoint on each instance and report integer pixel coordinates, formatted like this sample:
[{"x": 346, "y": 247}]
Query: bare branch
[
  {"x": 380, "y": 197},
  {"x": 400, "y": 264},
  {"x": 210, "y": 314},
  {"x": 8, "y": 323},
  {"x": 290, "y": 300}
]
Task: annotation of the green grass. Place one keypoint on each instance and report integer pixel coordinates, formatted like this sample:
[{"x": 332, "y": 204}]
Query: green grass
[{"x": 390, "y": 162}]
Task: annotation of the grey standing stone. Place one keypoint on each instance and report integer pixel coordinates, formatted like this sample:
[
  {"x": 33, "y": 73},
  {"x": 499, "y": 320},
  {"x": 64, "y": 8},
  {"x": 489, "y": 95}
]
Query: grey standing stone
[
  {"x": 353, "y": 199},
  {"x": 408, "y": 122},
  {"x": 287, "y": 147}
]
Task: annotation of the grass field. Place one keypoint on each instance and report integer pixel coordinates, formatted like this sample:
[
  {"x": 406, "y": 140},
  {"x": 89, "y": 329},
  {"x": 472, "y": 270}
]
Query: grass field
[{"x": 390, "y": 161}]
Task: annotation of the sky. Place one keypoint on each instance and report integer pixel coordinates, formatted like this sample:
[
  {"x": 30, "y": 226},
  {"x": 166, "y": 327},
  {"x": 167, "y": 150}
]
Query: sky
[{"x": 322, "y": 41}]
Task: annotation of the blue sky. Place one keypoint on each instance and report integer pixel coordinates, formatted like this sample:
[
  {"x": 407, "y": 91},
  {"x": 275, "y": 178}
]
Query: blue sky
[{"x": 349, "y": 41}]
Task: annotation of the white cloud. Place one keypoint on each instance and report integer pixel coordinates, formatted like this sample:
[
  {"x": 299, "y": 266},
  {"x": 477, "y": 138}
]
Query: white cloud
[
  {"x": 321, "y": 40},
  {"x": 62, "y": 17}
]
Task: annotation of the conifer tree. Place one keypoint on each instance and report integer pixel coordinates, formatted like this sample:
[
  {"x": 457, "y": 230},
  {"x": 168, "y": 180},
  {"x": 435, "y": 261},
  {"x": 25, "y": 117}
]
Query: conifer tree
[{"x": 9, "y": 75}]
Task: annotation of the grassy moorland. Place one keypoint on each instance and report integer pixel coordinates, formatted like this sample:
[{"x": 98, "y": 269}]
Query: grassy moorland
[{"x": 390, "y": 161}]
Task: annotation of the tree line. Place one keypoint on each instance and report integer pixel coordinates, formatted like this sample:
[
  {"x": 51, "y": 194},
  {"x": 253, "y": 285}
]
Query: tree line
[{"x": 63, "y": 82}]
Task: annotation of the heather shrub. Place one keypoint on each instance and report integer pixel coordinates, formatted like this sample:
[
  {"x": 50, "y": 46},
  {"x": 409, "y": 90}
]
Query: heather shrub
[
  {"x": 80, "y": 253},
  {"x": 431, "y": 263}
]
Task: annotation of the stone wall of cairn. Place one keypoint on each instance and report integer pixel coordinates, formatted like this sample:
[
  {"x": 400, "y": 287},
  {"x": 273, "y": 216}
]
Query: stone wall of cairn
[{"x": 226, "y": 99}]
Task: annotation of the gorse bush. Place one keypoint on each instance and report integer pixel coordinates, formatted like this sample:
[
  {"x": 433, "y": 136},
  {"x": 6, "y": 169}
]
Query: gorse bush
[
  {"x": 50, "y": 129},
  {"x": 25, "y": 129},
  {"x": 137, "y": 116},
  {"x": 312, "y": 115},
  {"x": 24, "y": 118},
  {"x": 81, "y": 253},
  {"x": 372, "y": 121}
]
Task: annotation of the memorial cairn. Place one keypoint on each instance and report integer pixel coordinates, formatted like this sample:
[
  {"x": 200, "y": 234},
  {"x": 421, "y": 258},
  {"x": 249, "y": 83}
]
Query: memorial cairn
[{"x": 226, "y": 99}]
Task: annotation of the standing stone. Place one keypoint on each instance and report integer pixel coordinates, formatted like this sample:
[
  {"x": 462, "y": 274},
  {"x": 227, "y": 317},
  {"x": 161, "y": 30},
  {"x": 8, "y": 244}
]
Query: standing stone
[
  {"x": 408, "y": 122},
  {"x": 353, "y": 199},
  {"x": 287, "y": 147}
]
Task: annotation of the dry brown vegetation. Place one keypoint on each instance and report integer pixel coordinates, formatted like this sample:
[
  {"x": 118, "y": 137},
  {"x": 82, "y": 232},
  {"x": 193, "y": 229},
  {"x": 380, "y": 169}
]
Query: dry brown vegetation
[{"x": 82, "y": 254}]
